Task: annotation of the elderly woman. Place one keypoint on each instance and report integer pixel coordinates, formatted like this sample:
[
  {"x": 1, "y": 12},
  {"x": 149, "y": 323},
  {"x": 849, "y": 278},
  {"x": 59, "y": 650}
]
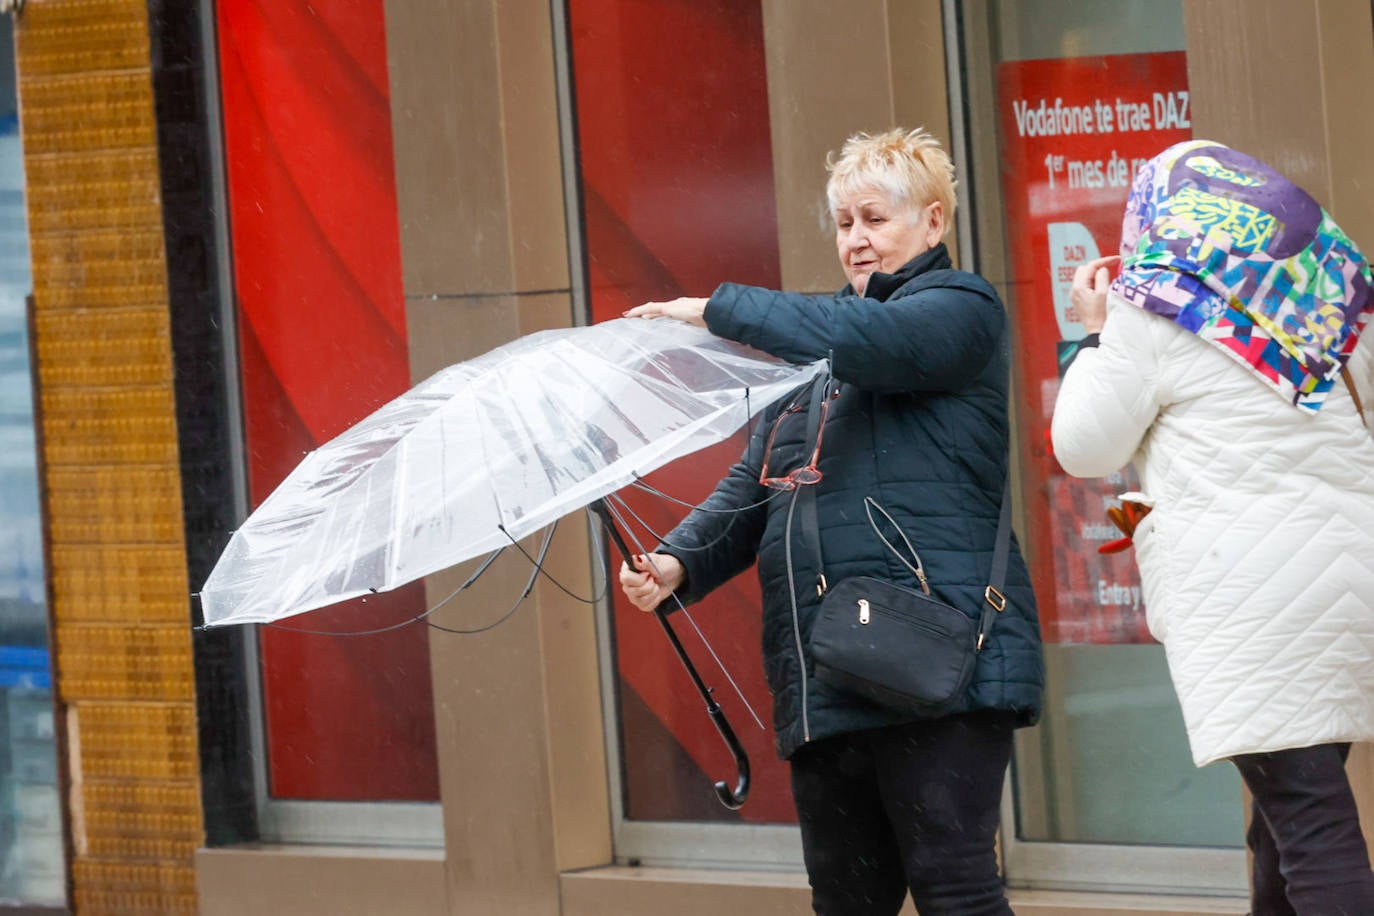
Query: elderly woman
[
  {"x": 888, "y": 799},
  {"x": 1220, "y": 370}
]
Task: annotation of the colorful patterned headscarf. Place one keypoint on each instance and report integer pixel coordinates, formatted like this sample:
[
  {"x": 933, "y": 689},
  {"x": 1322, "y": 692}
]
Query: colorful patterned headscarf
[{"x": 1229, "y": 249}]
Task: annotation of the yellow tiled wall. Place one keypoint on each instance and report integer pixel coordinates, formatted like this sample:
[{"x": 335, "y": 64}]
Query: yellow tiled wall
[{"x": 117, "y": 563}]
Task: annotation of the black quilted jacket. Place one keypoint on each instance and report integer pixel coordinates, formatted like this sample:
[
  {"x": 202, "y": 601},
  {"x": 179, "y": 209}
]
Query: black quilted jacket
[{"x": 920, "y": 425}]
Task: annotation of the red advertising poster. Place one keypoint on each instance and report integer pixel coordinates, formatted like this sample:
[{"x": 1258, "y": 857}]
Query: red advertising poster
[{"x": 1074, "y": 131}]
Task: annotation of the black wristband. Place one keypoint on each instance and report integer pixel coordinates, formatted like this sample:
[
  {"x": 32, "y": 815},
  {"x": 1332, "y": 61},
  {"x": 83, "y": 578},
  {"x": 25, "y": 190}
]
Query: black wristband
[{"x": 1092, "y": 340}]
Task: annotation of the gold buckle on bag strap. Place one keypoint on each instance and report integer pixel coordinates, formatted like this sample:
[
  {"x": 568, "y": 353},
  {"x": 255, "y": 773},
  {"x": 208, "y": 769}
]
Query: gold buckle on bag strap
[{"x": 998, "y": 602}]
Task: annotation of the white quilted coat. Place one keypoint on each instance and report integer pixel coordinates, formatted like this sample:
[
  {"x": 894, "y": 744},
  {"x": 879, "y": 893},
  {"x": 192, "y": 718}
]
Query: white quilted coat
[{"x": 1258, "y": 559}]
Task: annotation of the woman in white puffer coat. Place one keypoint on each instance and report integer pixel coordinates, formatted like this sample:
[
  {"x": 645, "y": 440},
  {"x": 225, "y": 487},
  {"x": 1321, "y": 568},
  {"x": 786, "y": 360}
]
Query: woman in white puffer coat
[{"x": 1228, "y": 354}]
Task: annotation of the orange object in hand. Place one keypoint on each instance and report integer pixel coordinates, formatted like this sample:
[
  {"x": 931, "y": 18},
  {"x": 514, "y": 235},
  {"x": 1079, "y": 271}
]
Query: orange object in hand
[{"x": 1125, "y": 519}]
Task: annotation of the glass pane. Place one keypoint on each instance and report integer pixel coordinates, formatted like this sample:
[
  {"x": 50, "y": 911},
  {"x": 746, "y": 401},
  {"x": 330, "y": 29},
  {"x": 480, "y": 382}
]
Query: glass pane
[
  {"x": 1077, "y": 95},
  {"x": 675, "y": 155},
  {"x": 32, "y": 867},
  {"x": 1115, "y": 758},
  {"x": 322, "y": 342}
]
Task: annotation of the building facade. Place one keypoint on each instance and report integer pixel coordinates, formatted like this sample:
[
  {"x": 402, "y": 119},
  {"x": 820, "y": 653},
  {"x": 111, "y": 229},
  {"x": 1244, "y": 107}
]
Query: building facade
[{"x": 251, "y": 223}]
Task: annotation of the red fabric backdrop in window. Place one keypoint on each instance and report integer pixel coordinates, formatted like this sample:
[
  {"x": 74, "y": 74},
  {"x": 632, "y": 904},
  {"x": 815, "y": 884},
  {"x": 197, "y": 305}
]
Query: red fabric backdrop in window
[
  {"x": 317, "y": 274},
  {"x": 677, "y": 182}
]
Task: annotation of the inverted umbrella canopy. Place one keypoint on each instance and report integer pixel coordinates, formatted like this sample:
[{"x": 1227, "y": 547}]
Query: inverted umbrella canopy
[{"x": 485, "y": 452}]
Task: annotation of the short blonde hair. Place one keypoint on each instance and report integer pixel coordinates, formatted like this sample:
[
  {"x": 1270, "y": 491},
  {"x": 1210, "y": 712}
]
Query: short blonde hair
[{"x": 910, "y": 167}]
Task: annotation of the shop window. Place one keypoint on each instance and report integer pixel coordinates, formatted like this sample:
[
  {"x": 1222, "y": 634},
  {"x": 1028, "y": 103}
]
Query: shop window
[
  {"x": 32, "y": 863},
  {"x": 321, "y": 337},
  {"x": 674, "y": 154},
  {"x": 1063, "y": 101}
]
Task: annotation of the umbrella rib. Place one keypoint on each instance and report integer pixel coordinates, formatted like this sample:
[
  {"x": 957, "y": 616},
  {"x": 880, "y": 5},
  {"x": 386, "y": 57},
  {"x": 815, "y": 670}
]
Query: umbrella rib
[
  {"x": 640, "y": 483},
  {"x": 662, "y": 539},
  {"x": 491, "y": 558},
  {"x": 539, "y": 567},
  {"x": 529, "y": 587}
]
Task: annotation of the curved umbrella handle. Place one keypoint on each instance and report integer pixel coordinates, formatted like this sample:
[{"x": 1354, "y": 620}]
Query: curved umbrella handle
[{"x": 730, "y": 798}]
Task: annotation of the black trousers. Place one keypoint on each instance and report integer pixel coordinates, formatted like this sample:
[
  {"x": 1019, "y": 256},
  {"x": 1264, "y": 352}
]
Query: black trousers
[
  {"x": 1309, "y": 853},
  {"x": 906, "y": 807}
]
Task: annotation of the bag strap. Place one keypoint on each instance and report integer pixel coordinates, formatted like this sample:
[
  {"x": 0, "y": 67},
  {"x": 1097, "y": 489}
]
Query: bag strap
[
  {"x": 994, "y": 601},
  {"x": 1354, "y": 395},
  {"x": 805, "y": 495}
]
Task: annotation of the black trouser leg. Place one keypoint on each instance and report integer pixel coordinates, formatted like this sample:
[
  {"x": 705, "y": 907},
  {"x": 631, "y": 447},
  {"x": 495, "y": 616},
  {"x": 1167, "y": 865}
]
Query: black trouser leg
[
  {"x": 913, "y": 806},
  {"x": 1268, "y": 890},
  {"x": 1310, "y": 856},
  {"x": 852, "y": 858}
]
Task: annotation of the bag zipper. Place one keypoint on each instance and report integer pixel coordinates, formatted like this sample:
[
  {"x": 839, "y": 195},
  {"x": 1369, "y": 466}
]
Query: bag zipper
[{"x": 866, "y": 617}]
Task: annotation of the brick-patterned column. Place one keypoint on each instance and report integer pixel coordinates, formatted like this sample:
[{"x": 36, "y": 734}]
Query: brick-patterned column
[{"x": 116, "y": 555}]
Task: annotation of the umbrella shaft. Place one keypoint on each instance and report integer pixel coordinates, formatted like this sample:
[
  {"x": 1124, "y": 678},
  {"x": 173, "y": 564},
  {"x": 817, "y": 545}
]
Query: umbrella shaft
[
  {"x": 706, "y": 692},
  {"x": 730, "y": 798}
]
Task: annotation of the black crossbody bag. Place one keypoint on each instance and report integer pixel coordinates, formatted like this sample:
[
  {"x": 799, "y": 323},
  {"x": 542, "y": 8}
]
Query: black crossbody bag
[{"x": 894, "y": 645}]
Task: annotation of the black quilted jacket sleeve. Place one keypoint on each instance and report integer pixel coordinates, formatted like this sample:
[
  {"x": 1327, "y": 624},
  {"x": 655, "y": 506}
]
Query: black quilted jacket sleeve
[{"x": 937, "y": 338}]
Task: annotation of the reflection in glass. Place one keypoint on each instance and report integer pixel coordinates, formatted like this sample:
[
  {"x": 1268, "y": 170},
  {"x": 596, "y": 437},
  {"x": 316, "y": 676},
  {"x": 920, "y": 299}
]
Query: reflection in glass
[{"x": 31, "y": 843}]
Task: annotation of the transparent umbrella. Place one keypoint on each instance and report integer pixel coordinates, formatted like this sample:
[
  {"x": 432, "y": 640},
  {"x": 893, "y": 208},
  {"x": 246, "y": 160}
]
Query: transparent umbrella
[{"x": 486, "y": 452}]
